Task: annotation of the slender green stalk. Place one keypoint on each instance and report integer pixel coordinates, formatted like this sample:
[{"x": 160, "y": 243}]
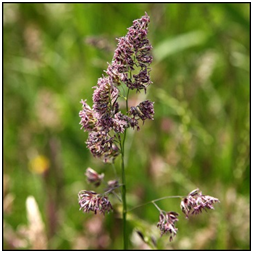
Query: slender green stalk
[
  {"x": 153, "y": 201},
  {"x": 157, "y": 206},
  {"x": 123, "y": 178},
  {"x": 127, "y": 100},
  {"x": 124, "y": 212}
]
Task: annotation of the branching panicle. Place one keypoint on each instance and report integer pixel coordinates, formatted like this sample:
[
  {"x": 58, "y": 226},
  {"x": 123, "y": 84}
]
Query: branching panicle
[
  {"x": 105, "y": 120},
  {"x": 107, "y": 124}
]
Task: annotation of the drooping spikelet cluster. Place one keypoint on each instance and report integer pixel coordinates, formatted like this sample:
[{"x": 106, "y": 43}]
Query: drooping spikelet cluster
[
  {"x": 196, "y": 202},
  {"x": 167, "y": 223},
  {"x": 104, "y": 121},
  {"x": 192, "y": 204}
]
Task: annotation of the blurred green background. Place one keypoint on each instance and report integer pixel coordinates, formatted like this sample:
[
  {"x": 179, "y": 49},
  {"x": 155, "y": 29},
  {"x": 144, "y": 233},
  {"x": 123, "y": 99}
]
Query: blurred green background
[{"x": 53, "y": 56}]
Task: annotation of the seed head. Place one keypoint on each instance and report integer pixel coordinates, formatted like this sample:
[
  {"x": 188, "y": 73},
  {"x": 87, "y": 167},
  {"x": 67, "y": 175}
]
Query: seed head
[
  {"x": 105, "y": 121},
  {"x": 195, "y": 202},
  {"x": 91, "y": 201},
  {"x": 167, "y": 223}
]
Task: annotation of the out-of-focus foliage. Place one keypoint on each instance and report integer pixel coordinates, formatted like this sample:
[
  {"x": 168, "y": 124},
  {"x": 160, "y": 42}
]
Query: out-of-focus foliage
[{"x": 53, "y": 56}]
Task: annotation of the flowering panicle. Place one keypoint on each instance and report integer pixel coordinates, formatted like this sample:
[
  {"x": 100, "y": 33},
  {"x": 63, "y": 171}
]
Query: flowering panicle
[
  {"x": 167, "y": 223},
  {"x": 133, "y": 53},
  {"x": 91, "y": 201},
  {"x": 104, "y": 121},
  {"x": 195, "y": 202}
]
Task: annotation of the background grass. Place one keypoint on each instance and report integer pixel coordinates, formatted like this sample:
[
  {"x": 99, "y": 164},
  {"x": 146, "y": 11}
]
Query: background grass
[{"x": 53, "y": 56}]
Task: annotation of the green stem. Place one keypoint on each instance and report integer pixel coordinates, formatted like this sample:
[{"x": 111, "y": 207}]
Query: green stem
[
  {"x": 127, "y": 100},
  {"x": 124, "y": 212}
]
